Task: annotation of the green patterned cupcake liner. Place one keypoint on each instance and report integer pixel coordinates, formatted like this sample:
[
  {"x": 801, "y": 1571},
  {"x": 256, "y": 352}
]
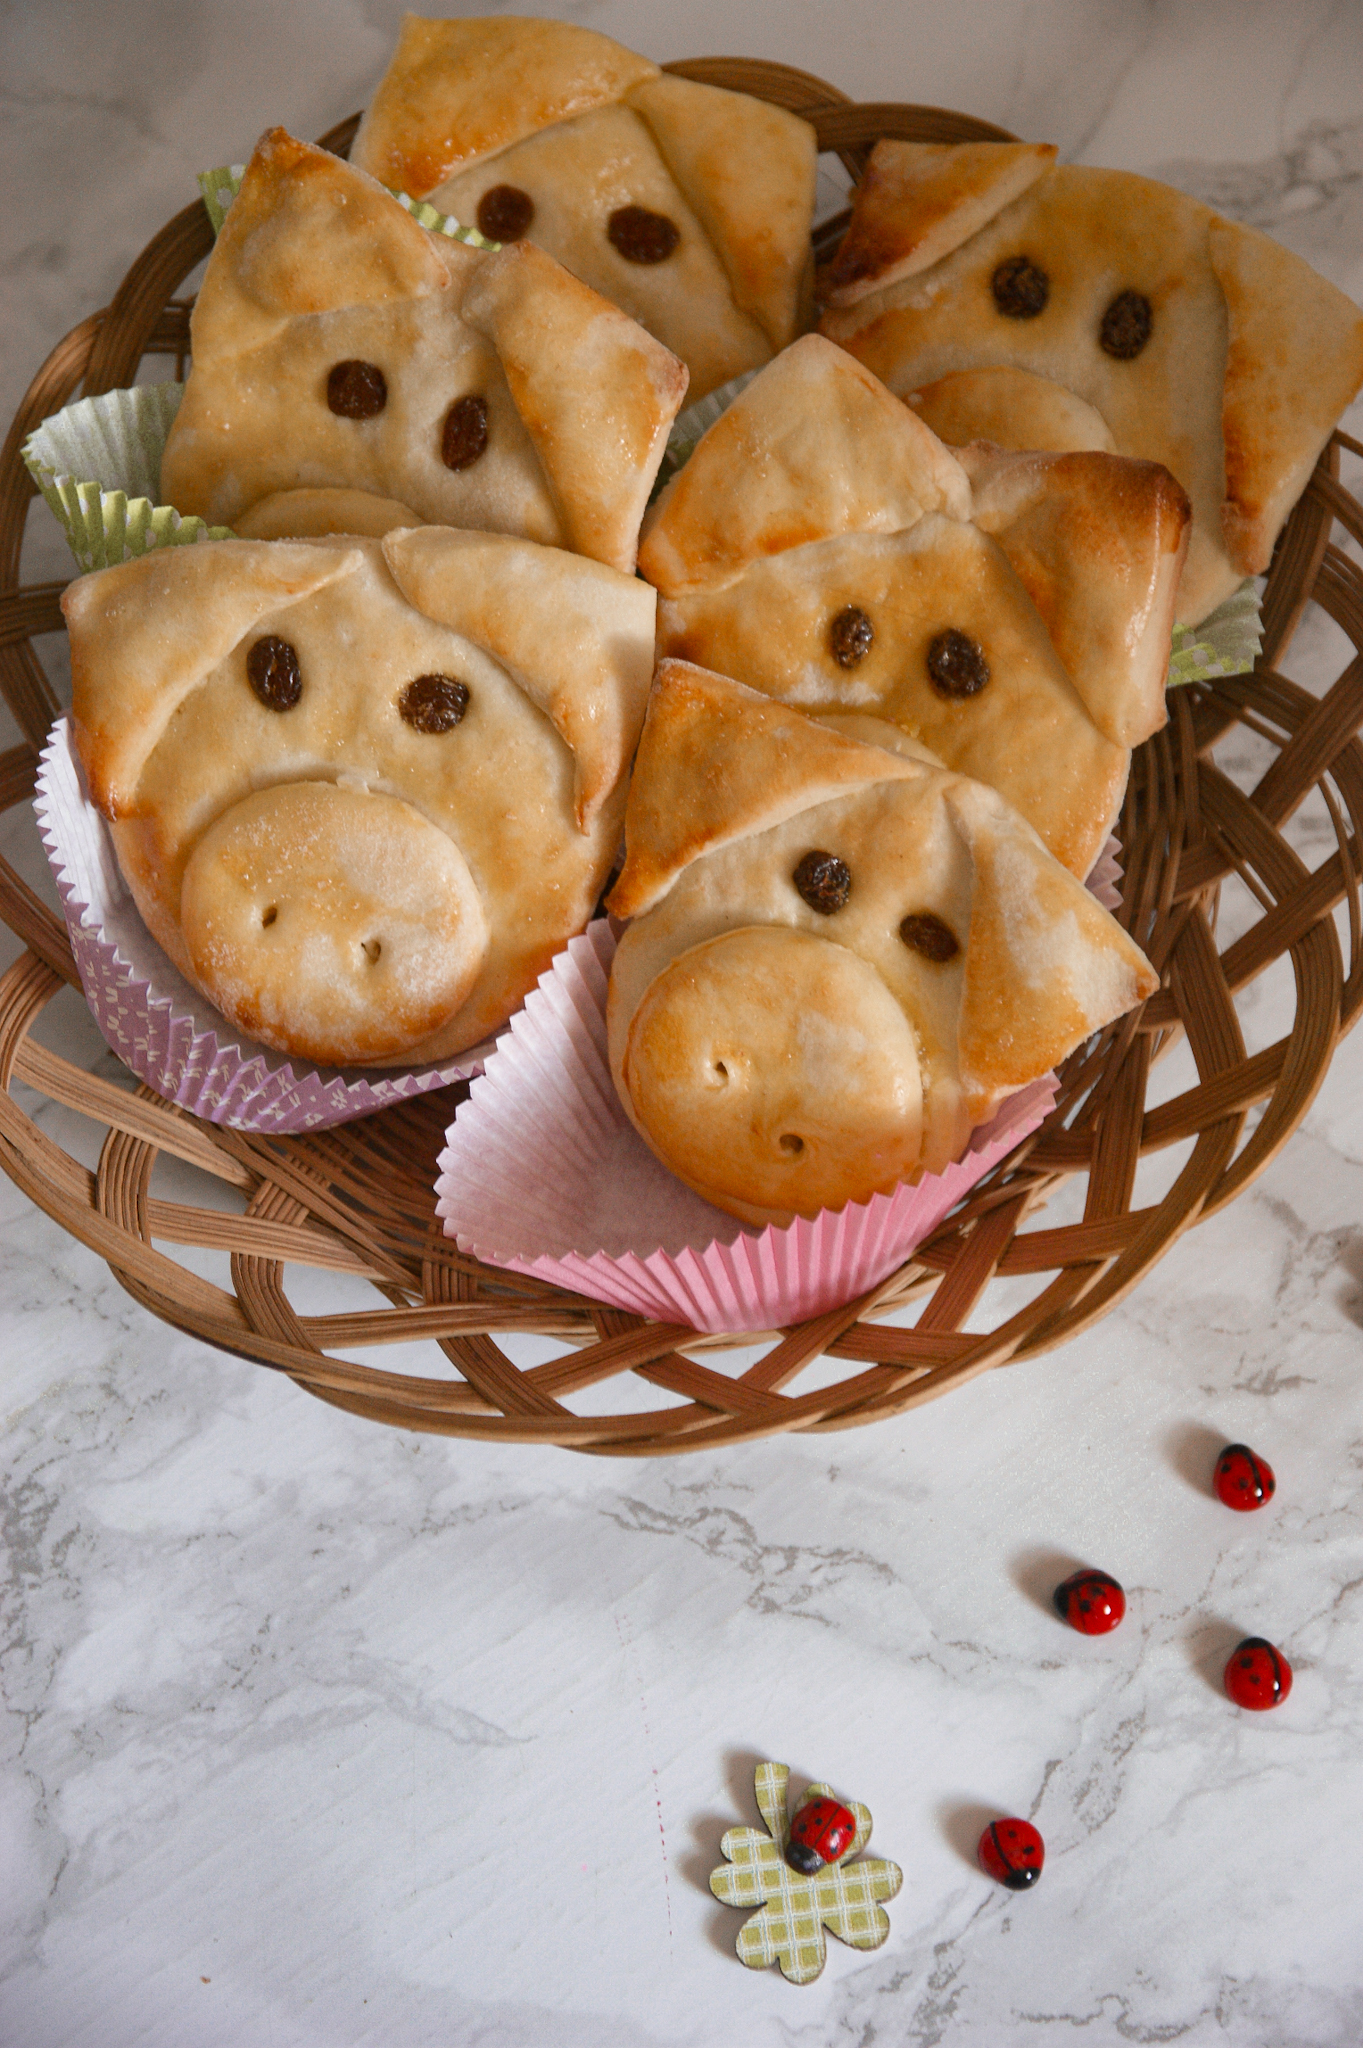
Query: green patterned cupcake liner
[
  {"x": 98, "y": 465},
  {"x": 221, "y": 186}
]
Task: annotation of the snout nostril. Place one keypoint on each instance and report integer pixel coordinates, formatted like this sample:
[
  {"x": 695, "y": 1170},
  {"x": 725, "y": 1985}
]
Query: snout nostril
[
  {"x": 792, "y": 1145},
  {"x": 269, "y": 916},
  {"x": 721, "y": 1070},
  {"x": 371, "y": 948}
]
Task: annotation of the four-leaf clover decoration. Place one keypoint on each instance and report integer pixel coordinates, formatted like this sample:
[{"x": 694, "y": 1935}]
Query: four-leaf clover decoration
[{"x": 789, "y": 1930}]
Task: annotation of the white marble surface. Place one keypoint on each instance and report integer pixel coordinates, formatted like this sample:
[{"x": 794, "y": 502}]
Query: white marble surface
[{"x": 319, "y": 1734}]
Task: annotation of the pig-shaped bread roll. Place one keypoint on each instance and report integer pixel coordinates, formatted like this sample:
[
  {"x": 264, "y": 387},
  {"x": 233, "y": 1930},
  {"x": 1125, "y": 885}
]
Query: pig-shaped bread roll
[
  {"x": 339, "y": 347},
  {"x": 1010, "y": 612},
  {"x": 362, "y": 790},
  {"x": 842, "y": 959},
  {"x": 1041, "y": 305},
  {"x": 689, "y": 206}
]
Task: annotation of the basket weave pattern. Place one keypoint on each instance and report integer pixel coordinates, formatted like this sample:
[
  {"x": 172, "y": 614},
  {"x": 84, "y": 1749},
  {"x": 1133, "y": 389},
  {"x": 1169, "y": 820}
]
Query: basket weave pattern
[{"x": 358, "y": 1199}]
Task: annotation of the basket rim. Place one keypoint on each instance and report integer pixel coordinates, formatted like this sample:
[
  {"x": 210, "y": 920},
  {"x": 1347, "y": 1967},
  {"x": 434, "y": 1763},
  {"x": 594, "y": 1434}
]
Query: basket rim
[{"x": 344, "y": 1206}]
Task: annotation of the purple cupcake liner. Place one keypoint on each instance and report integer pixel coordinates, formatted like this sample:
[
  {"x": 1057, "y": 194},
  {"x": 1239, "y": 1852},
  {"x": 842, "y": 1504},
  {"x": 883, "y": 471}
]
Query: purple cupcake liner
[{"x": 157, "y": 1023}]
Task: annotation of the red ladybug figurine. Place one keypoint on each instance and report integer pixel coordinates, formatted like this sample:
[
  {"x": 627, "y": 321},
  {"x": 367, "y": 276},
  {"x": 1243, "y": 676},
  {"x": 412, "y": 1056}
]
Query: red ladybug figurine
[
  {"x": 820, "y": 1833},
  {"x": 1090, "y": 1601},
  {"x": 1243, "y": 1480},
  {"x": 1258, "y": 1676},
  {"x": 1012, "y": 1852}
]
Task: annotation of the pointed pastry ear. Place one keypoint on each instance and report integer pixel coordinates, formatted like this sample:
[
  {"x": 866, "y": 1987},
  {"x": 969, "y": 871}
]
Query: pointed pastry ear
[
  {"x": 457, "y": 90},
  {"x": 307, "y": 233},
  {"x": 717, "y": 762},
  {"x": 920, "y": 200},
  {"x": 815, "y": 446},
  {"x": 1098, "y": 542},
  {"x": 1045, "y": 963},
  {"x": 145, "y": 634},
  {"x": 576, "y": 636},
  {"x": 747, "y": 171},
  {"x": 597, "y": 394},
  {"x": 1294, "y": 360}
]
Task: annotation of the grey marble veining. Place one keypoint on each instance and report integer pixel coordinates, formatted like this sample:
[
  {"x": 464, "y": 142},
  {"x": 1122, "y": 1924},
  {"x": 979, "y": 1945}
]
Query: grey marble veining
[{"x": 316, "y": 1734}]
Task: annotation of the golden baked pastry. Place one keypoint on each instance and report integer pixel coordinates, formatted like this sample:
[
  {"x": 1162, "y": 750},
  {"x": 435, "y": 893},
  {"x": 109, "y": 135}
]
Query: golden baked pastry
[
  {"x": 339, "y": 345},
  {"x": 824, "y": 546},
  {"x": 1193, "y": 341},
  {"x": 842, "y": 959},
  {"x": 361, "y": 790},
  {"x": 689, "y": 206}
]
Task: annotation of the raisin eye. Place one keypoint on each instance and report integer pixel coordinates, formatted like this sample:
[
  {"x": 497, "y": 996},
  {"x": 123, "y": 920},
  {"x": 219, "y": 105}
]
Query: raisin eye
[
  {"x": 1126, "y": 325},
  {"x": 924, "y": 932},
  {"x": 504, "y": 213},
  {"x": 464, "y": 435},
  {"x": 434, "y": 703},
  {"x": 824, "y": 881},
  {"x": 1020, "y": 288},
  {"x": 850, "y": 636},
  {"x": 273, "y": 673},
  {"x": 957, "y": 665},
  {"x": 356, "y": 390},
  {"x": 641, "y": 236}
]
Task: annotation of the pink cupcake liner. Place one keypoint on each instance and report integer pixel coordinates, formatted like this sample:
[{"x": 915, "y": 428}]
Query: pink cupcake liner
[
  {"x": 161, "y": 1027},
  {"x": 543, "y": 1173},
  {"x": 1105, "y": 877}
]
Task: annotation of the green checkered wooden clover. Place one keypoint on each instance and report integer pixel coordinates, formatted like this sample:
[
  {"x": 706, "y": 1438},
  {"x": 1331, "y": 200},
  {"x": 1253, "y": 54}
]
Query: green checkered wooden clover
[{"x": 795, "y": 1910}]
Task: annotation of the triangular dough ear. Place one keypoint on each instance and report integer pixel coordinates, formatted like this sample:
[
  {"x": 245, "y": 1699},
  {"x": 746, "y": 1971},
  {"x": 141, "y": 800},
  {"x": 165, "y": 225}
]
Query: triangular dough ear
[
  {"x": 717, "y": 762},
  {"x": 1294, "y": 360},
  {"x": 920, "y": 200},
  {"x": 747, "y": 170},
  {"x": 575, "y": 636},
  {"x": 457, "y": 90},
  {"x": 815, "y": 446},
  {"x": 146, "y": 633},
  {"x": 596, "y": 393},
  {"x": 1033, "y": 929},
  {"x": 307, "y": 233},
  {"x": 1098, "y": 542}
]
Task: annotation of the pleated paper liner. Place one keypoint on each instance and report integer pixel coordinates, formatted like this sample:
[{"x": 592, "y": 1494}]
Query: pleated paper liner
[
  {"x": 542, "y": 1172},
  {"x": 160, "y": 1026}
]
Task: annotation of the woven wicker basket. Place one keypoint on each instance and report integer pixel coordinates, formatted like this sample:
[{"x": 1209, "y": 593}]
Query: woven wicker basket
[{"x": 357, "y": 1200}]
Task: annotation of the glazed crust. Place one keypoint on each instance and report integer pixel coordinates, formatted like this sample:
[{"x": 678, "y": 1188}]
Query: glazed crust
[
  {"x": 818, "y": 497},
  {"x": 731, "y": 967},
  {"x": 501, "y": 818},
  {"x": 1249, "y": 360},
  {"x": 316, "y": 267},
  {"x": 583, "y": 128}
]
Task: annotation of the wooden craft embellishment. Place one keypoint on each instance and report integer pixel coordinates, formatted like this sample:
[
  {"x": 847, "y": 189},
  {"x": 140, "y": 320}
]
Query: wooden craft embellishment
[{"x": 843, "y": 1896}]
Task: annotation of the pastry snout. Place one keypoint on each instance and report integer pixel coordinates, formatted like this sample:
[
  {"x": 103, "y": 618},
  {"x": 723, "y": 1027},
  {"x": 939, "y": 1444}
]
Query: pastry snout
[
  {"x": 774, "y": 1072},
  {"x": 333, "y": 923}
]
